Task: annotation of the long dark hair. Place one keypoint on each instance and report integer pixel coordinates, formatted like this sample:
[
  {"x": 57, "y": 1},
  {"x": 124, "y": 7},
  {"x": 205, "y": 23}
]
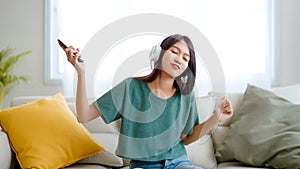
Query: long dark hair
[{"x": 185, "y": 87}]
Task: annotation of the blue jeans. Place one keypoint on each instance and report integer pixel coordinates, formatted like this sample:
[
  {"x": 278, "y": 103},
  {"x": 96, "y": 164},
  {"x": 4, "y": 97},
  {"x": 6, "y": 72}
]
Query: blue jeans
[{"x": 178, "y": 163}]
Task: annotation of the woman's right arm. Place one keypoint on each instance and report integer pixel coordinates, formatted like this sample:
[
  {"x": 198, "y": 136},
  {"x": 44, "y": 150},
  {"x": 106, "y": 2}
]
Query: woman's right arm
[{"x": 85, "y": 111}]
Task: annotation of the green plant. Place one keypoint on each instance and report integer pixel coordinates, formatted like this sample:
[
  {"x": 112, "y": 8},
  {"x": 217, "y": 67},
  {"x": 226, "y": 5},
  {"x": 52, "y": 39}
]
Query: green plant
[{"x": 8, "y": 80}]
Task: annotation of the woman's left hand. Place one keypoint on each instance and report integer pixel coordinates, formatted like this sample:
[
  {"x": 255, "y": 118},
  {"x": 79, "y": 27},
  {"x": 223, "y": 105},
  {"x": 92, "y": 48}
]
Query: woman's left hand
[{"x": 224, "y": 109}]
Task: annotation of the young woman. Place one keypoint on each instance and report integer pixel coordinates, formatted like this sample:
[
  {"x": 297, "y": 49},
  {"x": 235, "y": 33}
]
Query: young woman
[{"x": 158, "y": 111}]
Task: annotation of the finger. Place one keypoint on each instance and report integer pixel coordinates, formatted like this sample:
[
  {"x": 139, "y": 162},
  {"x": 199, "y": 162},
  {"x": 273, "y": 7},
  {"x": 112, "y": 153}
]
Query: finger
[
  {"x": 71, "y": 47},
  {"x": 75, "y": 51},
  {"x": 69, "y": 54},
  {"x": 71, "y": 57},
  {"x": 71, "y": 51},
  {"x": 227, "y": 109},
  {"x": 77, "y": 56},
  {"x": 227, "y": 104},
  {"x": 223, "y": 102}
]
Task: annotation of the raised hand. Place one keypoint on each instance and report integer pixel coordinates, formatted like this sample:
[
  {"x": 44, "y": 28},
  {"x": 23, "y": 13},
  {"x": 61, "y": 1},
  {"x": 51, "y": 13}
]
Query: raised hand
[
  {"x": 224, "y": 110},
  {"x": 74, "y": 57}
]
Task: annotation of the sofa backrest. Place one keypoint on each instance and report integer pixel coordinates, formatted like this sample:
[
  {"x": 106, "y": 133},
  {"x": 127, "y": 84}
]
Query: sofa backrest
[
  {"x": 206, "y": 105},
  {"x": 291, "y": 93}
]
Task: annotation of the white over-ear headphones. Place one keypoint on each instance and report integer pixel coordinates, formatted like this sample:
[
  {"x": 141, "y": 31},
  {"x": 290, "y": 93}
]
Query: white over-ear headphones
[{"x": 154, "y": 55}]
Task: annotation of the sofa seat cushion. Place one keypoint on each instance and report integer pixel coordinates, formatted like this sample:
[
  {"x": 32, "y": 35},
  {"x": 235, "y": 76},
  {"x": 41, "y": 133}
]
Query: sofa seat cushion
[
  {"x": 108, "y": 157},
  {"x": 90, "y": 166},
  {"x": 236, "y": 165},
  {"x": 87, "y": 166},
  {"x": 201, "y": 152}
]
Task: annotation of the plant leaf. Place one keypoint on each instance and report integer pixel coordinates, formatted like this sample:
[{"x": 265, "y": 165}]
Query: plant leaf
[{"x": 7, "y": 62}]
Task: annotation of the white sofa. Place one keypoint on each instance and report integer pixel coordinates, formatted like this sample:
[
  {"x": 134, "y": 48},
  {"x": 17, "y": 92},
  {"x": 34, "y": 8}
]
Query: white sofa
[{"x": 201, "y": 153}]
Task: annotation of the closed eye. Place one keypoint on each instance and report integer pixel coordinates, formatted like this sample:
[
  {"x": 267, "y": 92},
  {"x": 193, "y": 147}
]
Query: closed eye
[
  {"x": 185, "y": 59},
  {"x": 175, "y": 52}
]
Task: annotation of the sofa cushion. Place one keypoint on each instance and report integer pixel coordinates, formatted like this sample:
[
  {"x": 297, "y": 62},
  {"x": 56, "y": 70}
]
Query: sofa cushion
[
  {"x": 205, "y": 107},
  {"x": 6, "y": 154},
  {"x": 291, "y": 93},
  {"x": 108, "y": 157},
  {"x": 46, "y": 134},
  {"x": 218, "y": 135},
  {"x": 264, "y": 131},
  {"x": 201, "y": 152}
]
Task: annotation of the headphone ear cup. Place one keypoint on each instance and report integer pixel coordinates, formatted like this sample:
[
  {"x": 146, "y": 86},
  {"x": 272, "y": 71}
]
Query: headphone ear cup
[{"x": 154, "y": 55}]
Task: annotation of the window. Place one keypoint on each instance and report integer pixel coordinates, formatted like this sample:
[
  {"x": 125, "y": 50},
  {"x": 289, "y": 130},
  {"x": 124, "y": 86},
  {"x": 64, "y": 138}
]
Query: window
[{"x": 242, "y": 36}]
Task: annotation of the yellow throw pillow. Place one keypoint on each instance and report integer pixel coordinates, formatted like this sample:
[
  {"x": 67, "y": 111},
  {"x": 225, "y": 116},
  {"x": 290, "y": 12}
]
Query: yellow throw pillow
[{"x": 45, "y": 134}]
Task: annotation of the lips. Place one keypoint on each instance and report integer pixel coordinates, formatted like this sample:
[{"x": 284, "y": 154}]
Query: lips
[{"x": 175, "y": 66}]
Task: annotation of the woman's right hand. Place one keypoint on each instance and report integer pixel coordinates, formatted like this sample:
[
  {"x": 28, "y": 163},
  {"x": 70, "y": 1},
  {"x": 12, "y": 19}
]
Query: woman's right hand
[{"x": 73, "y": 55}]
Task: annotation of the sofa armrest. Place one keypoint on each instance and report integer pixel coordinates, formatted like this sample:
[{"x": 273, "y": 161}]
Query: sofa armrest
[{"x": 6, "y": 154}]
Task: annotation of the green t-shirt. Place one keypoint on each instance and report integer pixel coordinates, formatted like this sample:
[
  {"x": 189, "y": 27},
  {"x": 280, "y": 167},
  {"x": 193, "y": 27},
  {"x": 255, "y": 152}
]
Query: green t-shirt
[{"x": 151, "y": 127}]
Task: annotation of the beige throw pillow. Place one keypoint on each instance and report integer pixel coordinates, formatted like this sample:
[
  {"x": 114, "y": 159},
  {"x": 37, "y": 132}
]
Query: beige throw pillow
[{"x": 264, "y": 131}]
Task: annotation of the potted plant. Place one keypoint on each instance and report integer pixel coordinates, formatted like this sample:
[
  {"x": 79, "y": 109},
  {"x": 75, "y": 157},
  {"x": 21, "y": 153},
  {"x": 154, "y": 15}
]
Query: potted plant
[{"x": 8, "y": 80}]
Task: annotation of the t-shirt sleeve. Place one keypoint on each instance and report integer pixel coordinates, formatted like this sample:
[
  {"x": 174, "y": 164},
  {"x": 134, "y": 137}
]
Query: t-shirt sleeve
[
  {"x": 193, "y": 118},
  {"x": 111, "y": 103}
]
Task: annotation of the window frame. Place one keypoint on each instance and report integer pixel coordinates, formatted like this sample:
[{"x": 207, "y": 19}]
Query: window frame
[
  {"x": 51, "y": 71},
  {"x": 274, "y": 40}
]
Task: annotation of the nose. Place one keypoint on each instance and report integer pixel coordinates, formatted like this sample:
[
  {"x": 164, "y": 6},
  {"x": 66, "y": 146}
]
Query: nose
[{"x": 178, "y": 59}]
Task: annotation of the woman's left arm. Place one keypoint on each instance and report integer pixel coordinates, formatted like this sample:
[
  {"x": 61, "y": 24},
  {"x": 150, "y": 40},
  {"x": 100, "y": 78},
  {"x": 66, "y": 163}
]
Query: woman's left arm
[{"x": 222, "y": 112}]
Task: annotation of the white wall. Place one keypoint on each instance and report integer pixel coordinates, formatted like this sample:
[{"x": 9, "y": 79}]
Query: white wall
[
  {"x": 22, "y": 27},
  {"x": 290, "y": 42}
]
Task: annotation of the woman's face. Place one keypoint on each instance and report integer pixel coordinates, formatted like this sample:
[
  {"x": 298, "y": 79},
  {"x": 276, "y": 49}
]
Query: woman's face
[{"x": 176, "y": 59}]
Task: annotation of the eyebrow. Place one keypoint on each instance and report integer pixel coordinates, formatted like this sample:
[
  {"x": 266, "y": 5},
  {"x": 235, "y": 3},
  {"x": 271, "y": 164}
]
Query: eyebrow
[{"x": 180, "y": 50}]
